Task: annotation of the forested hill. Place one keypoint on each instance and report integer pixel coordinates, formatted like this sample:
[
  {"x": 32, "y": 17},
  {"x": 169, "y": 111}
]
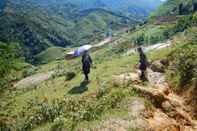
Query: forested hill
[
  {"x": 36, "y": 28},
  {"x": 139, "y": 9},
  {"x": 37, "y": 25}
]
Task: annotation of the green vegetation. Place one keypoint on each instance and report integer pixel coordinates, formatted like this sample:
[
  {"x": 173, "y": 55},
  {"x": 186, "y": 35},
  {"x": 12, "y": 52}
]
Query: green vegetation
[
  {"x": 37, "y": 29},
  {"x": 41, "y": 108},
  {"x": 62, "y": 103},
  {"x": 150, "y": 34},
  {"x": 50, "y": 54},
  {"x": 176, "y": 7},
  {"x": 69, "y": 112},
  {"x": 156, "y": 31},
  {"x": 183, "y": 65},
  {"x": 182, "y": 24},
  {"x": 65, "y": 102},
  {"x": 8, "y": 64}
]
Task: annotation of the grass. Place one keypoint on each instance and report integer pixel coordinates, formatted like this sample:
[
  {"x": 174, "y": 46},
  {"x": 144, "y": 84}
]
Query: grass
[
  {"x": 50, "y": 54},
  {"x": 15, "y": 102}
]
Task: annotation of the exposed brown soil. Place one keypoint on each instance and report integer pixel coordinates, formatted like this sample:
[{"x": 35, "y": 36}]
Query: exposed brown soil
[{"x": 170, "y": 112}]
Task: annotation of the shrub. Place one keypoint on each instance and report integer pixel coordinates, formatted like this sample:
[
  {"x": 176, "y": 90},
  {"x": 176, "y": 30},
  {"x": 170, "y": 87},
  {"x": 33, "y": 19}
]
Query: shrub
[
  {"x": 67, "y": 113},
  {"x": 58, "y": 124},
  {"x": 183, "y": 66}
]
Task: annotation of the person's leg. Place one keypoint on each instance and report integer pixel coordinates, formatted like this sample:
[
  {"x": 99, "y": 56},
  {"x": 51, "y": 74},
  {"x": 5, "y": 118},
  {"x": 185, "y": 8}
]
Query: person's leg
[
  {"x": 143, "y": 75},
  {"x": 86, "y": 77}
]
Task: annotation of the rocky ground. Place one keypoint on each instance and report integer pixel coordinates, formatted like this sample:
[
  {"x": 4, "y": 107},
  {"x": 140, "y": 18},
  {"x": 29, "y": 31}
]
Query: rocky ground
[{"x": 170, "y": 112}]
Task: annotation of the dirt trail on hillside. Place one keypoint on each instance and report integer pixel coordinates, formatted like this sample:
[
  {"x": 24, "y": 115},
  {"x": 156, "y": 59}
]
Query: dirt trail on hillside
[
  {"x": 171, "y": 112},
  {"x": 157, "y": 46},
  {"x": 33, "y": 80},
  {"x": 172, "y": 105},
  {"x": 36, "y": 79}
]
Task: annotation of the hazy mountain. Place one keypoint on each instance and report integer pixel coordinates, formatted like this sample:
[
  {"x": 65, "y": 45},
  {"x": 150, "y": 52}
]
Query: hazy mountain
[{"x": 133, "y": 8}]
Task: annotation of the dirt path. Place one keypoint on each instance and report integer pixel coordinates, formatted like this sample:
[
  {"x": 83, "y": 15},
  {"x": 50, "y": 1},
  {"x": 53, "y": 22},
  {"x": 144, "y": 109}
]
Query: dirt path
[
  {"x": 157, "y": 46},
  {"x": 170, "y": 112},
  {"x": 102, "y": 43},
  {"x": 33, "y": 80}
]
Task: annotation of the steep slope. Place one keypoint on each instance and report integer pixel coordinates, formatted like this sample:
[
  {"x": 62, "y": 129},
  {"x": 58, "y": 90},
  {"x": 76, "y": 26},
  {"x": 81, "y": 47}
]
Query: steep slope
[{"x": 37, "y": 25}]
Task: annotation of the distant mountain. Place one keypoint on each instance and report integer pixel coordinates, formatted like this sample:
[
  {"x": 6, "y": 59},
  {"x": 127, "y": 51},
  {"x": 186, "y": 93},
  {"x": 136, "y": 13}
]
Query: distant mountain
[
  {"x": 125, "y": 7},
  {"x": 140, "y": 8},
  {"x": 39, "y": 24}
]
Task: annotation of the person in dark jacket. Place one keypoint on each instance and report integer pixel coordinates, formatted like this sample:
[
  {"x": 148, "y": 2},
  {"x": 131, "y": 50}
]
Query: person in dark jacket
[
  {"x": 86, "y": 64},
  {"x": 143, "y": 64}
]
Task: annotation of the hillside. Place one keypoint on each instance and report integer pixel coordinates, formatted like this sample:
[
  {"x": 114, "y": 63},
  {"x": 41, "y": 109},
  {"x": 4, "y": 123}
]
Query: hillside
[
  {"x": 54, "y": 97},
  {"x": 37, "y": 30},
  {"x": 134, "y": 9},
  {"x": 176, "y": 7},
  {"x": 37, "y": 25}
]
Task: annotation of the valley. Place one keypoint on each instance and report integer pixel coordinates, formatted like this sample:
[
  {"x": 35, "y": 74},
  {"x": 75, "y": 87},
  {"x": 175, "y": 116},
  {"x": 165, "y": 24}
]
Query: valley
[{"x": 36, "y": 25}]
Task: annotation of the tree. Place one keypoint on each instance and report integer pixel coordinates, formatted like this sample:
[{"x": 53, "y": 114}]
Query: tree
[{"x": 7, "y": 63}]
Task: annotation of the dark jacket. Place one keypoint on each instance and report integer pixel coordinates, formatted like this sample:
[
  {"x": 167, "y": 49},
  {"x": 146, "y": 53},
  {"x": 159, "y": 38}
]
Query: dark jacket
[
  {"x": 86, "y": 62},
  {"x": 143, "y": 61}
]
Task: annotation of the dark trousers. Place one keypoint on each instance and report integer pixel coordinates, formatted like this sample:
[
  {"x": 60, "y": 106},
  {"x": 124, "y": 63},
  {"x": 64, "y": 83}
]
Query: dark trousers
[
  {"x": 86, "y": 77},
  {"x": 143, "y": 75}
]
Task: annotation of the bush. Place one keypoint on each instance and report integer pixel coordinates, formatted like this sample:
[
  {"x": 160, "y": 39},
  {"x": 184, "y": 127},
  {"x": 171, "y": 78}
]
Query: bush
[
  {"x": 67, "y": 113},
  {"x": 58, "y": 124},
  {"x": 183, "y": 66}
]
